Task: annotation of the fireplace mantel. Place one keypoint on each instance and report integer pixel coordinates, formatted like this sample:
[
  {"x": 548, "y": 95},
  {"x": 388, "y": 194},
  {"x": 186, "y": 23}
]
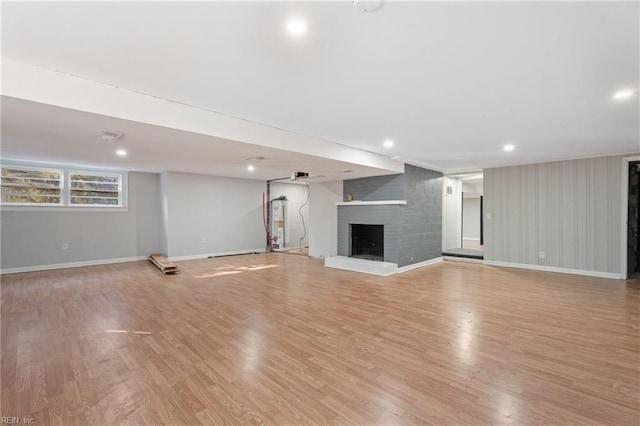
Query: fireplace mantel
[{"x": 371, "y": 203}]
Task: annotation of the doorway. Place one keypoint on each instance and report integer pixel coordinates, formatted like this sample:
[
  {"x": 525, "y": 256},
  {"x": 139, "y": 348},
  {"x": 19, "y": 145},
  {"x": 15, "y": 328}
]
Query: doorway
[
  {"x": 633, "y": 222},
  {"x": 472, "y": 238},
  {"x": 462, "y": 216}
]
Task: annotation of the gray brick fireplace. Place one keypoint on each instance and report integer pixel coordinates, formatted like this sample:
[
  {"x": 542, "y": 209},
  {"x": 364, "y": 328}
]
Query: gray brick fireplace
[{"x": 412, "y": 232}]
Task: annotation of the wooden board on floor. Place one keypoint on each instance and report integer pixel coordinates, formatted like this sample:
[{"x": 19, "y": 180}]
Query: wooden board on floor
[{"x": 164, "y": 264}]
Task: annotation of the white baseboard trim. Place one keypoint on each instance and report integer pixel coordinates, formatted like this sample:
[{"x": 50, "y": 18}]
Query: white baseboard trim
[
  {"x": 461, "y": 259},
  {"x": 420, "y": 264},
  {"x": 207, "y": 255},
  {"x": 70, "y": 265},
  {"x": 471, "y": 239},
  {"x": 610, "y": 275}
]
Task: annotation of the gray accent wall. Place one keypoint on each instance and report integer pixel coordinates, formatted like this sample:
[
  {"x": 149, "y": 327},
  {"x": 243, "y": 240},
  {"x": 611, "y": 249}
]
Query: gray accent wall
[
  {"x": 33, "y": 237},
  {"x": 571, "y": 210},
  {"x": 377, "y": 188},
  {"x": 421, "y": 225},
  {"x": 412, "y": 232}
]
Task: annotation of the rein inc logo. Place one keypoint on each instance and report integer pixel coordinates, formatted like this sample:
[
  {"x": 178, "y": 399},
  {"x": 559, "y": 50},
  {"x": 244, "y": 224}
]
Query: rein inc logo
[{"x": 17, "y": 421}]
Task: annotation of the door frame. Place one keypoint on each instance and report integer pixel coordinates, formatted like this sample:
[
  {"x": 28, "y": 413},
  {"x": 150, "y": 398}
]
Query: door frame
[
  {"x": 625, "y": 213},
  {"x": 461, "y": 218},
  {"x": 481, "y": 220}
]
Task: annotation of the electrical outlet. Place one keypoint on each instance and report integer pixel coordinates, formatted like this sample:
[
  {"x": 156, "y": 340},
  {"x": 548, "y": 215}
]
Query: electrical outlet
[
  {"x": 65, "y": 246},
  {"x": 541, "y": 255},
  {"x": 203, "y": 241}
]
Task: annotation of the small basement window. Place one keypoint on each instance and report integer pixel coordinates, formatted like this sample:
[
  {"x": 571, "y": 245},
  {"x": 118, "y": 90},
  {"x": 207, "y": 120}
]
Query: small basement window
[
  {"x": 59, "y": 187},
  {"x": 95, "y": 189},
  {"x": 22, "y": 185}
]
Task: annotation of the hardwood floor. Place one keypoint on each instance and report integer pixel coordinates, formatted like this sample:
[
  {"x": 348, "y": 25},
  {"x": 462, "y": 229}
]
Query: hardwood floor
[{"x": 279, "y": 339}]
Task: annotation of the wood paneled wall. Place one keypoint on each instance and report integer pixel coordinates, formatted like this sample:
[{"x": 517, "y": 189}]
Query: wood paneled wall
[{"x": 571, "y": 210}]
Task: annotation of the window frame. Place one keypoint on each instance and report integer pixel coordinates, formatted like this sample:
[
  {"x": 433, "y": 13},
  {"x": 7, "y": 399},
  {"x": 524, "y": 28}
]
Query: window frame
[
  {"x": 36, "y": 169},
  {"x": 94, "y": 173},
  {"x": 65, "y": 188}
]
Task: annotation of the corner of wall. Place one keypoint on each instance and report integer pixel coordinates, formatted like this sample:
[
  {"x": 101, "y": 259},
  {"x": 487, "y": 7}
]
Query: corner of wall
[{"x": 164, "y": 205}]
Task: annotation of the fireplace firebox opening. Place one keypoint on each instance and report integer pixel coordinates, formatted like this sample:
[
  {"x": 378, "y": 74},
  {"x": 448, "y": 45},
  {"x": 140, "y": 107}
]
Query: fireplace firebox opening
[{"x": 367, "y": 242}]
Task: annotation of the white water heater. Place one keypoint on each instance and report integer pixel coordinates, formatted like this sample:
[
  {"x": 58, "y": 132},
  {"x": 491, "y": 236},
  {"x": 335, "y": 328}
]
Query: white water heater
[{"x": 278, "y": 218}]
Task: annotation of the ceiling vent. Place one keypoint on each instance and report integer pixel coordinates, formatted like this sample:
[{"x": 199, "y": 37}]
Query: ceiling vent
[
  {"x": 260, "y": 158},
  {"x": 111, "y": 135}
]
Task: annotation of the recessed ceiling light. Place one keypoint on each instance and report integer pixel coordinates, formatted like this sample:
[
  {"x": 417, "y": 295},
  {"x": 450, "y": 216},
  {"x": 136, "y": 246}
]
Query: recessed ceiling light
[
  {"x": 388, "y": 143},
  {"x": 250, "y": 168},
  {"x": 509, "y": 148},
  {"x": 121, "y": 153},
  {"x": 624, "y": 94},
  {"x": 297, "y": 27}
]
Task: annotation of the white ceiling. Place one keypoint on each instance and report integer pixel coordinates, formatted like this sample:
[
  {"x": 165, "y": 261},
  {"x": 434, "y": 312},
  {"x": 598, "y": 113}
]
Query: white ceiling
[
  {"x": 34, "y": 131},
  {"x": 451, "y": 83}
]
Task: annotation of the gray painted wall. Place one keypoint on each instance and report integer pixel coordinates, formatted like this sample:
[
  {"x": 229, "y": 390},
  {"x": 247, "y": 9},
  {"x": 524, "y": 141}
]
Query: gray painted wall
[
  {"x": 471, "y": 218},
  {"x": 571, "y": 210},
  {"x": 226, "y": 212},
  {"x": 164, "y": 213},
  {"x": 412, "y": 232},
  {"x": 421, "y": 225},
  {"x": 34, "y": 237},
  {"x": 323, "y": 218}
]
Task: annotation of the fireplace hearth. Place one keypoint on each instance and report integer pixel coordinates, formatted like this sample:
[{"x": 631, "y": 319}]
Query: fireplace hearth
[{"x": 367, "y": 242}]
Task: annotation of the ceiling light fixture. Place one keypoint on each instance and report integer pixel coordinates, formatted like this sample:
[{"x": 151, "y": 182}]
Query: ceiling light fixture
[
  {"x": 388, "y": 143},
  {"x": 509, "y": 148},
  {"x": 297, "y": 27},
  {"x": 250, "y": 168},
  {"x": 624, "y": 94},
  {"x": 121, "y": 153}
]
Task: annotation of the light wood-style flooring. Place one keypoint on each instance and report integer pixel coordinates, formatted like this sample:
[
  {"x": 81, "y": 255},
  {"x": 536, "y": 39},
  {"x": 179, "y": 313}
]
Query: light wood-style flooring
[{"x": 280, "y": 339}]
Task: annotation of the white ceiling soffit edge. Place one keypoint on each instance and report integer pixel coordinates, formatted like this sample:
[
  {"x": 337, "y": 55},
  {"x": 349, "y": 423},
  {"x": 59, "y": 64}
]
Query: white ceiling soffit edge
[
  {"x": 37, "y": 84},
  {"x": 417, "y": 163}
]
